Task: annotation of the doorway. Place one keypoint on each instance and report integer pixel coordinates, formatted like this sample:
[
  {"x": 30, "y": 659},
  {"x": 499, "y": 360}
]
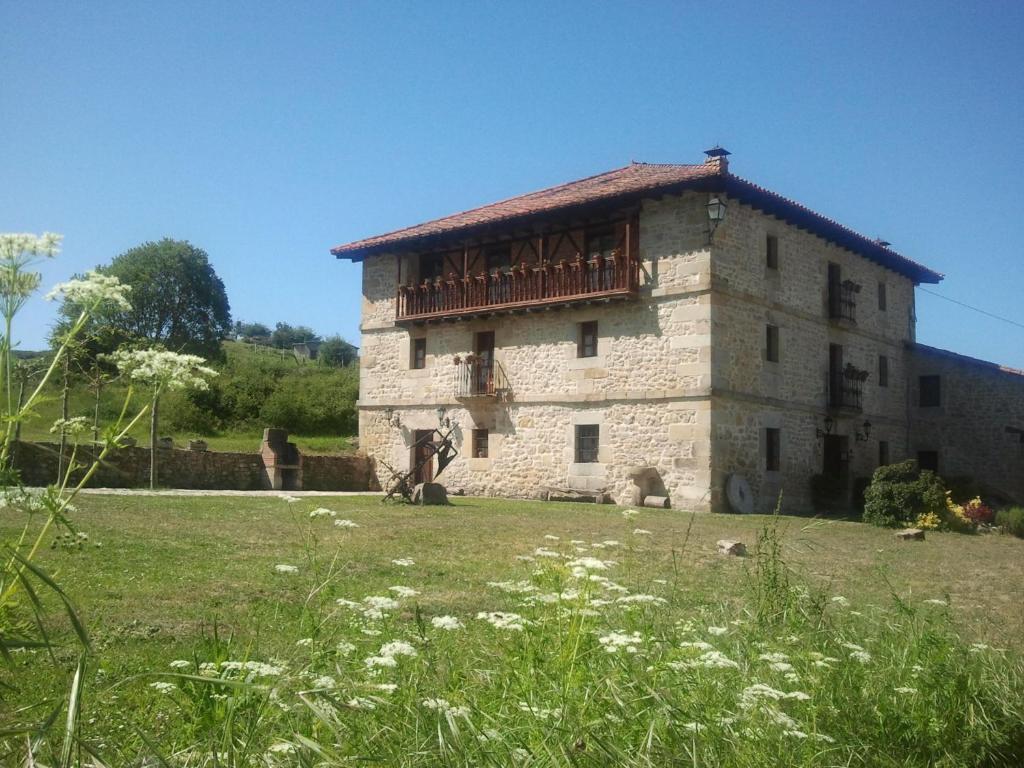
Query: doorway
[
  {"x": 423, "y": 455},
  {"x": 483, "y": 376},
  {"x": 836, "y": 457}
]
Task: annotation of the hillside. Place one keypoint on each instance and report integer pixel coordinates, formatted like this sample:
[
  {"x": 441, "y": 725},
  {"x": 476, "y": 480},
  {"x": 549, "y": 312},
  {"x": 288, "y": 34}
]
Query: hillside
[{"x": 257, "y": 387}]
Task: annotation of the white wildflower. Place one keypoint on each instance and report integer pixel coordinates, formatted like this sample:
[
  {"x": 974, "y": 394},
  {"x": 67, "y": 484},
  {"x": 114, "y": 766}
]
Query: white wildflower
[
  {"x": 163, "y": 687},
  {"x": 620, "y": 641},
  {"x": 403, "y": 562},
  {"x": 286, "y": 569},
  {"x": 304, "y": 642},
  {"x": 449, "y": 623},
  {"x": 641, "y": 532},
  {"x": 325, "y": 682},
  {"x": 773, "y": 657},
  {"x": 161, "y": 369},
  {"x": 345, "y": 524},
  {"x": 628, "y": 513},
  {"x": 254, "y": 668},
  {"x": 93, "y": 291},
  {"x": 513, "y": 587},
  {"x": 905, "y": 689},
  {"x": 281, "y": 748},
  {"x": 444, "y": 707},
  {"x": 693, "y": 727},
  {"x": 526, "y": 558},
  {"x": 550, "y": 537},
  {"x": 545, "y": 552},
  {"x": 717, "y": 630},
  {"x": 935, "y": 601},
  {"x": 404, "y": 591},
  {"x": 290, "y": 500},
  {"x": 73, "y": 427},
  {"x": 344, "y": 647},
  {"x": 385, "y": 687},
  {"x": 708, "y": 660},
  {"x": 180, "y": 664},
  {"x": 700, "y": 645},
  {"x": 501, "y": 620},
  {"x": 641, "y": 600},
  {"x": 397, "y": 648},
  {"x": 840, "y": 600},
  {"x": 323, "y": 512},
  {"x": 380, "y": 661},
  {"x": 862, "y": 656}
]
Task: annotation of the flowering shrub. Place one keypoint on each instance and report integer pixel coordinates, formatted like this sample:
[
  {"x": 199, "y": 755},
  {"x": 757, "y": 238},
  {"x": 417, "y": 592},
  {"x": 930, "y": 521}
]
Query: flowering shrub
[
  {"x": 929, "y": 521},
  {"x": 979, "y": 512},
  {"x": 900, "y": 494}
]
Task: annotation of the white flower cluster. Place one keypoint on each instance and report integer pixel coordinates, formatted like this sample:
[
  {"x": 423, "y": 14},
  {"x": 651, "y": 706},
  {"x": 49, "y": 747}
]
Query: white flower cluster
[
  {"x": 93, "y": 291},
  {"x": 14, "y": 246},
  {"x": 345, "y": 524},
  {"x": 159, "y": 368},
  {"x": 388, "y": 654},
  {"x": 284, "y": 568},
  {"x": 500, "y": 620},
  {"x": 75, "y": 426},
  {"x": 444, "y": 707},
  {"x": 403, "y": 562},
  {"x": 449, "y": 623},
  {"x": 620, "y": 641},
  {"x": 323, "y": 512}
]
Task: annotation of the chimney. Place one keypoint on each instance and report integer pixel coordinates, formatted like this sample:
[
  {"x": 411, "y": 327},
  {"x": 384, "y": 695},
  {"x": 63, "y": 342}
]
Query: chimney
[{"x": 718, "y": 157}]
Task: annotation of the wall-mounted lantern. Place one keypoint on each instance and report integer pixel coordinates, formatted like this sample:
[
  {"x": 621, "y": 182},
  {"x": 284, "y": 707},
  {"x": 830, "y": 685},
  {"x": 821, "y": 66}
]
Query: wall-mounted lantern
[
  {"x": 820, "y": 433},
  {"x": 862, "y": 435},
  {"x": 391, "y": 418},
  {"x": 716, "y": 214}
]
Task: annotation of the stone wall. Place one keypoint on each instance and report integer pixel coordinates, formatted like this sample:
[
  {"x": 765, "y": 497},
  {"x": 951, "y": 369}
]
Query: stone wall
[
  {"x": 752, "y": 394},
  {"x": 647, "y": 388},
  {"x": 978, "y": 402},
  {"x": 208, "y": 470}
]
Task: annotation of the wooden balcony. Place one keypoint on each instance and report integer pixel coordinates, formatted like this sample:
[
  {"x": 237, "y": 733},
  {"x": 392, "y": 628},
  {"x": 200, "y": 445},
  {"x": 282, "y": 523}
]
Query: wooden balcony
[
  {"x": 556, "y": 269},
  {"x": 520, "y": 287}
]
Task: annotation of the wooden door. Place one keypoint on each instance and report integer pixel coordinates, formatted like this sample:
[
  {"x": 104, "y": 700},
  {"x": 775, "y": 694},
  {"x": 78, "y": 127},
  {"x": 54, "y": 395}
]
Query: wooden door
[
  {"x": 483, "y": 380},
  {"x": 423, "y": 451}
]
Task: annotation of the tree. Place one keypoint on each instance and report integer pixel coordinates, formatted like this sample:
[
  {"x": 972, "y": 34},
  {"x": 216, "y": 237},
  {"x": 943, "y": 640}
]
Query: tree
[
  {"x": 177, "y": 300},
  {"x": 335, "y": 352},
  {"x": 250, "y": 331},
  {"x": 284, "y": 335}
]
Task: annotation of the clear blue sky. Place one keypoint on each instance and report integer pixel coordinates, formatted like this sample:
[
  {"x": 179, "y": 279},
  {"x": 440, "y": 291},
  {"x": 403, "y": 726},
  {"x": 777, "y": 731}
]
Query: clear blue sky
[{"x": 266, "y": 133}]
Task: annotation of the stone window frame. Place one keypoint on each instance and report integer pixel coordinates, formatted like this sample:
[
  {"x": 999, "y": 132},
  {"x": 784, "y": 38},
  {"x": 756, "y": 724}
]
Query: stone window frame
[
  {"x": 771, "y": 256},
  {"x": 586, "y": 453},
  {"x": 929, "y": 397},
  {"x": 883, "y": 299},
  {"x": 883, "y": 371},
  {"x": 583, "y": 348},
  {"x": 883, "y": 453},
  {"x": 772, "y": 449},
  {"x": 418, "y": 353},
  {"x": 481, "y": 443},
  {"x": 772, "y": 343}
]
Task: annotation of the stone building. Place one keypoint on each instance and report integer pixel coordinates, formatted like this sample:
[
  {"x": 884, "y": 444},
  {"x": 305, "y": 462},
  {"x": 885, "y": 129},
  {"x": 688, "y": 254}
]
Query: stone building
[{"x": 667, "y": 330}]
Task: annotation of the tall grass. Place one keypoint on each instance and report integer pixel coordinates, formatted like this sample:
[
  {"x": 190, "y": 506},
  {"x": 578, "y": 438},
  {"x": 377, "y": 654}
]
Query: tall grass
[{"x": 582, "y": 662}]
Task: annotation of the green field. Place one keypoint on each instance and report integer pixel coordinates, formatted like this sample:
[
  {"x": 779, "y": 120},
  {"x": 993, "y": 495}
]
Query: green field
[
  {"x": 244, "y": 360},
  {"x": 194, "y": 579}
]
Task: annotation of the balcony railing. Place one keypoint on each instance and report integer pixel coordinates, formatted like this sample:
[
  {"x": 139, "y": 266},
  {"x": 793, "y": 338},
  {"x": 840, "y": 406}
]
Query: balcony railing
[
  {"x": 552, "y": 283},
  {"x": 846, "y": 387},
  {"x": 477, "y": 376},
  {"x": 842, "y": 301}
]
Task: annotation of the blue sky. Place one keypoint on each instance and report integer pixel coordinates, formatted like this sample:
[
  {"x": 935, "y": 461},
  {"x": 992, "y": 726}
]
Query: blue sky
[{"x": 266, "y": 133}]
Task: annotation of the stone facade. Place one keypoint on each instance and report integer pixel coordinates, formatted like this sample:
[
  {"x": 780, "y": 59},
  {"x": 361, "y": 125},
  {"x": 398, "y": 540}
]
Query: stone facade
[
  {"x": 681, "y": 382},
  {"x": 976, "y": 430}
]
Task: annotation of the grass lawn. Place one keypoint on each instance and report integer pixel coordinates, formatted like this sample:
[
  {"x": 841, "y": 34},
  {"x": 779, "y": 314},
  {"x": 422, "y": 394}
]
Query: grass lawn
[{"x": 193, "y": 578}]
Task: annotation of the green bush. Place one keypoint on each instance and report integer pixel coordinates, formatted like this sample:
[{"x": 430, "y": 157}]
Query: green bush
[
  {"x": 1011, "y": 521},
  {"x": 900, "y": 493},
  {"x": 314, "y": 402}
]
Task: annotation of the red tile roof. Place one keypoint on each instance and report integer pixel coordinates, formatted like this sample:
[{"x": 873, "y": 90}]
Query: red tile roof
[{"x": 624, "y": 185}]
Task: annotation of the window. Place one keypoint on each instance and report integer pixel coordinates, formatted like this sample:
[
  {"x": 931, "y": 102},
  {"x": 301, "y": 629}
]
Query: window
[
  {"x": 586, "y": 443},
  {"x": 928, "y": 460},
  {"x": 883, "y": 371},
  {"x": 930, "y": 391},
  {"x": 772, "y": 252},
  {"x": 431, "y": 266},
  {"x": 881, "y": 297},
  {"x": 771, "y": 343},
  {"x": 480, "y": 438},
  {"x": 772, "y": 449},
  {"x": 419, "y": 353},
  {"x": 586, "y": 344},
  {"x": 600, "y": 242},
  {"x": 883, "y": 453},
  {"x": 498, "y": 257}
]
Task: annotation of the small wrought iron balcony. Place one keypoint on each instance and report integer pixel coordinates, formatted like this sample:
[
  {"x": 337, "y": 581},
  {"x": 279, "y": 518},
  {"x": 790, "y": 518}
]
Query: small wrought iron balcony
[
  {"x": 477, "y": 376},
  {"x": 846, "y": 388},
  {"x": 842, "y": 301}
]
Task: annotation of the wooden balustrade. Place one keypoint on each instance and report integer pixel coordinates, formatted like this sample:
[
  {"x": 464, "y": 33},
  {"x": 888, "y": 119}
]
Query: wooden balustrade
[{"x": 615, "y": 274}]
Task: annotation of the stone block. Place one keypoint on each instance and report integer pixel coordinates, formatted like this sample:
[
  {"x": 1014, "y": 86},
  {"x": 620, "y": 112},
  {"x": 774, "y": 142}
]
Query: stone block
[{"x": 429, "y": 494}]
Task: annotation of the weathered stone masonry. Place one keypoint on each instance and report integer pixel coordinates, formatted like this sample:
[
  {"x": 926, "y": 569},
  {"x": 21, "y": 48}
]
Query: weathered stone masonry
[{"x": 681, "y": 381}]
